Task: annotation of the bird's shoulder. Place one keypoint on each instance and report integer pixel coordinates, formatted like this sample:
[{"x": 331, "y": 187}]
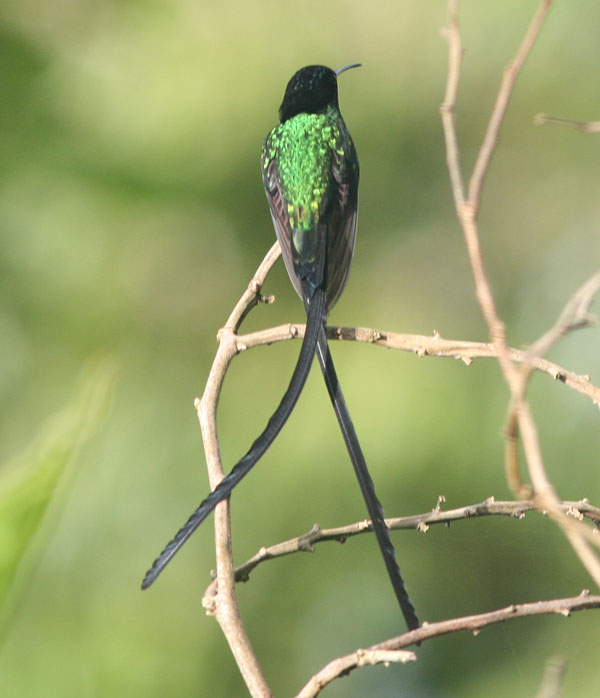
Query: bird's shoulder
[{"x": 316, "y": 134}]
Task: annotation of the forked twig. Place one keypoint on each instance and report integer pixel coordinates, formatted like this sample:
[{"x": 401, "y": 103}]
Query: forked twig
[
  {"x": 224, "y": 604},
  {"x": 474, "y": 624},
  {"x": 423, "y": 346},
  {"x": 220, "y": 592},
  {"x": 509, "y": 78},
  {"x": 575, "y": 315},
  {"x": 516, "y": 366},
  {"x": 519, "y": 418},
  {"x": 420, "y": 522}
]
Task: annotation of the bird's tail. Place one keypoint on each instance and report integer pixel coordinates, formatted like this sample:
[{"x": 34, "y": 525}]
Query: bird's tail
[
  {"x": 314, "y": 324},
  {"x": 364, "y": 480}
]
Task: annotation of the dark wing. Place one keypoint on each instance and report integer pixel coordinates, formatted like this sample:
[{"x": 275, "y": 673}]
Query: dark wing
[
  {"x": 343, "y": 218},
  {"x": 281, "y": 221},
  {"x": 339, "y": 213}
]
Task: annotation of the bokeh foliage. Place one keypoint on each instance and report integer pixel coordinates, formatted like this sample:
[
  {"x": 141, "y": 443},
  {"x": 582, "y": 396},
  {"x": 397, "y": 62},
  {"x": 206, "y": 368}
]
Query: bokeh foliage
[
  {"x": 132, "y": 216},
  {"x": 40, "y": 475}
]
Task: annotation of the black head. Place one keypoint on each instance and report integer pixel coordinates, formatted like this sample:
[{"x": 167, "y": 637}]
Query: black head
[{"x": 311, "y": 90}]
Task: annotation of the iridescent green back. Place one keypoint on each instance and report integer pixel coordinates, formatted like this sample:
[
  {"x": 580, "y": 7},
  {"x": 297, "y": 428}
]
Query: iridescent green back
[{"x": 310, "y": 170}]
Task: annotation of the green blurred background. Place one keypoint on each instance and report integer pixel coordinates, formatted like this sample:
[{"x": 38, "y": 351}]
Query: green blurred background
[{"x": 132, "y": 217}]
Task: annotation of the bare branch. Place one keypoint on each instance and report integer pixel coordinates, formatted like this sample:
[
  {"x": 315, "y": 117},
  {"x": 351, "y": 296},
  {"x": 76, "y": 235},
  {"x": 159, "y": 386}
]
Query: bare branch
[
  {"x": 574, "y": 316},
  {"x": 252, "y": 296},
  {"x": 420, "y": 522},
  {"x": 546, "y": 499},
  {"x": 466, "y": 210},
  {"x": 504, "y": 93},
  {"x": 223, "y": 604},
  {"x": 448, "y": 106},
  {"x": 344, "y": 665},
  {"x": 424, "y": 345},
  {"x": 519, "y": 419},
  {"x": 473, "y": 624},
  {"x": 220, "y": 599}
]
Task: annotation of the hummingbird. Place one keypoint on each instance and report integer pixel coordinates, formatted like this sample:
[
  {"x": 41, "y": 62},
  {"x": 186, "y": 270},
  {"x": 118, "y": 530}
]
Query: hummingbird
[{"x": 310, "y": 172}]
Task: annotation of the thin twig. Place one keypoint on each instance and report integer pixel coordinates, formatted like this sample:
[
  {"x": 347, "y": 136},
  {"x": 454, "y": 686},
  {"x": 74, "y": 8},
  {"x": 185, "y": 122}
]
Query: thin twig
[
  {"x": 223, "y": 604},
  {"x": 520, "y": 419},
  {"x": 467, "y": 209},
  {"x": 474, "y": 624},
  {"x": 583, "y": 126},
  {"x": 344, "y": 665},
  {"x": 420, "y": 522},
  {"x": 448, "y": 106},
  {"x": 230, "y": 345},
  {"x": 575, "y": 315},
  {"x": 221, "y": 601},
  {"x": 424, "y": 345},
  {"x": 511, "y": 73}
]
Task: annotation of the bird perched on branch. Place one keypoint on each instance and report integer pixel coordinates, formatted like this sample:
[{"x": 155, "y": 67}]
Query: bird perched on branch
[{"x": 310, "y": 172}]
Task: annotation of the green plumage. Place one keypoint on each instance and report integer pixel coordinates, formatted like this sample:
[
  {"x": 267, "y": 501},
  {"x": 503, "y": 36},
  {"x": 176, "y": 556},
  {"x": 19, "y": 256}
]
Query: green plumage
[
  {"x": 310, "y": 169},
  {"x": 310, "y": 173},
  {"x": 304, "y": 148}
]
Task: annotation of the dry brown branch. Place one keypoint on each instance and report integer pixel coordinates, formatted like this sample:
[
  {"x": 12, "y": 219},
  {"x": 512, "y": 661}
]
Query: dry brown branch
[
  {"x": 421, "y": 522},
  {"x": 220, "y": 600},
  {"x": 425, "y": 345},
  {"x": 465, "y": 210},
  {"x": 223, "y": 605},
  {"x": 583, "y": 126},
  {"x": 511, "y": 73},
  {"x": 344, "y": 665},
  {"x": 468, "y": 209},
  {"x": 575, "y": 315},
  {"x": 519, "y": 419},
  {"x": 448, "y": 106},
  {"x": 473, "y": 624}
]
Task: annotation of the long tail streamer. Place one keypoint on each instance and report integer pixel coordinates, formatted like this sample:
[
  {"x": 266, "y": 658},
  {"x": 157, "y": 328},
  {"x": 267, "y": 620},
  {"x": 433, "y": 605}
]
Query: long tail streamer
[
  {"x": 314, "y": 324},
  {"x": 364, "y": 479}
]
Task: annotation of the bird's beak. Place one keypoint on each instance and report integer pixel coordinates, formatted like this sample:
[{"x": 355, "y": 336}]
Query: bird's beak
[{"x": 339, "y": 71}]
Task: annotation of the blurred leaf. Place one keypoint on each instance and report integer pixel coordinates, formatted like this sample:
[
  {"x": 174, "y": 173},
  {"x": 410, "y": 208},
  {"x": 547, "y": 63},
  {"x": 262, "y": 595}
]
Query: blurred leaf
[{"x": 43, "y": 470}]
